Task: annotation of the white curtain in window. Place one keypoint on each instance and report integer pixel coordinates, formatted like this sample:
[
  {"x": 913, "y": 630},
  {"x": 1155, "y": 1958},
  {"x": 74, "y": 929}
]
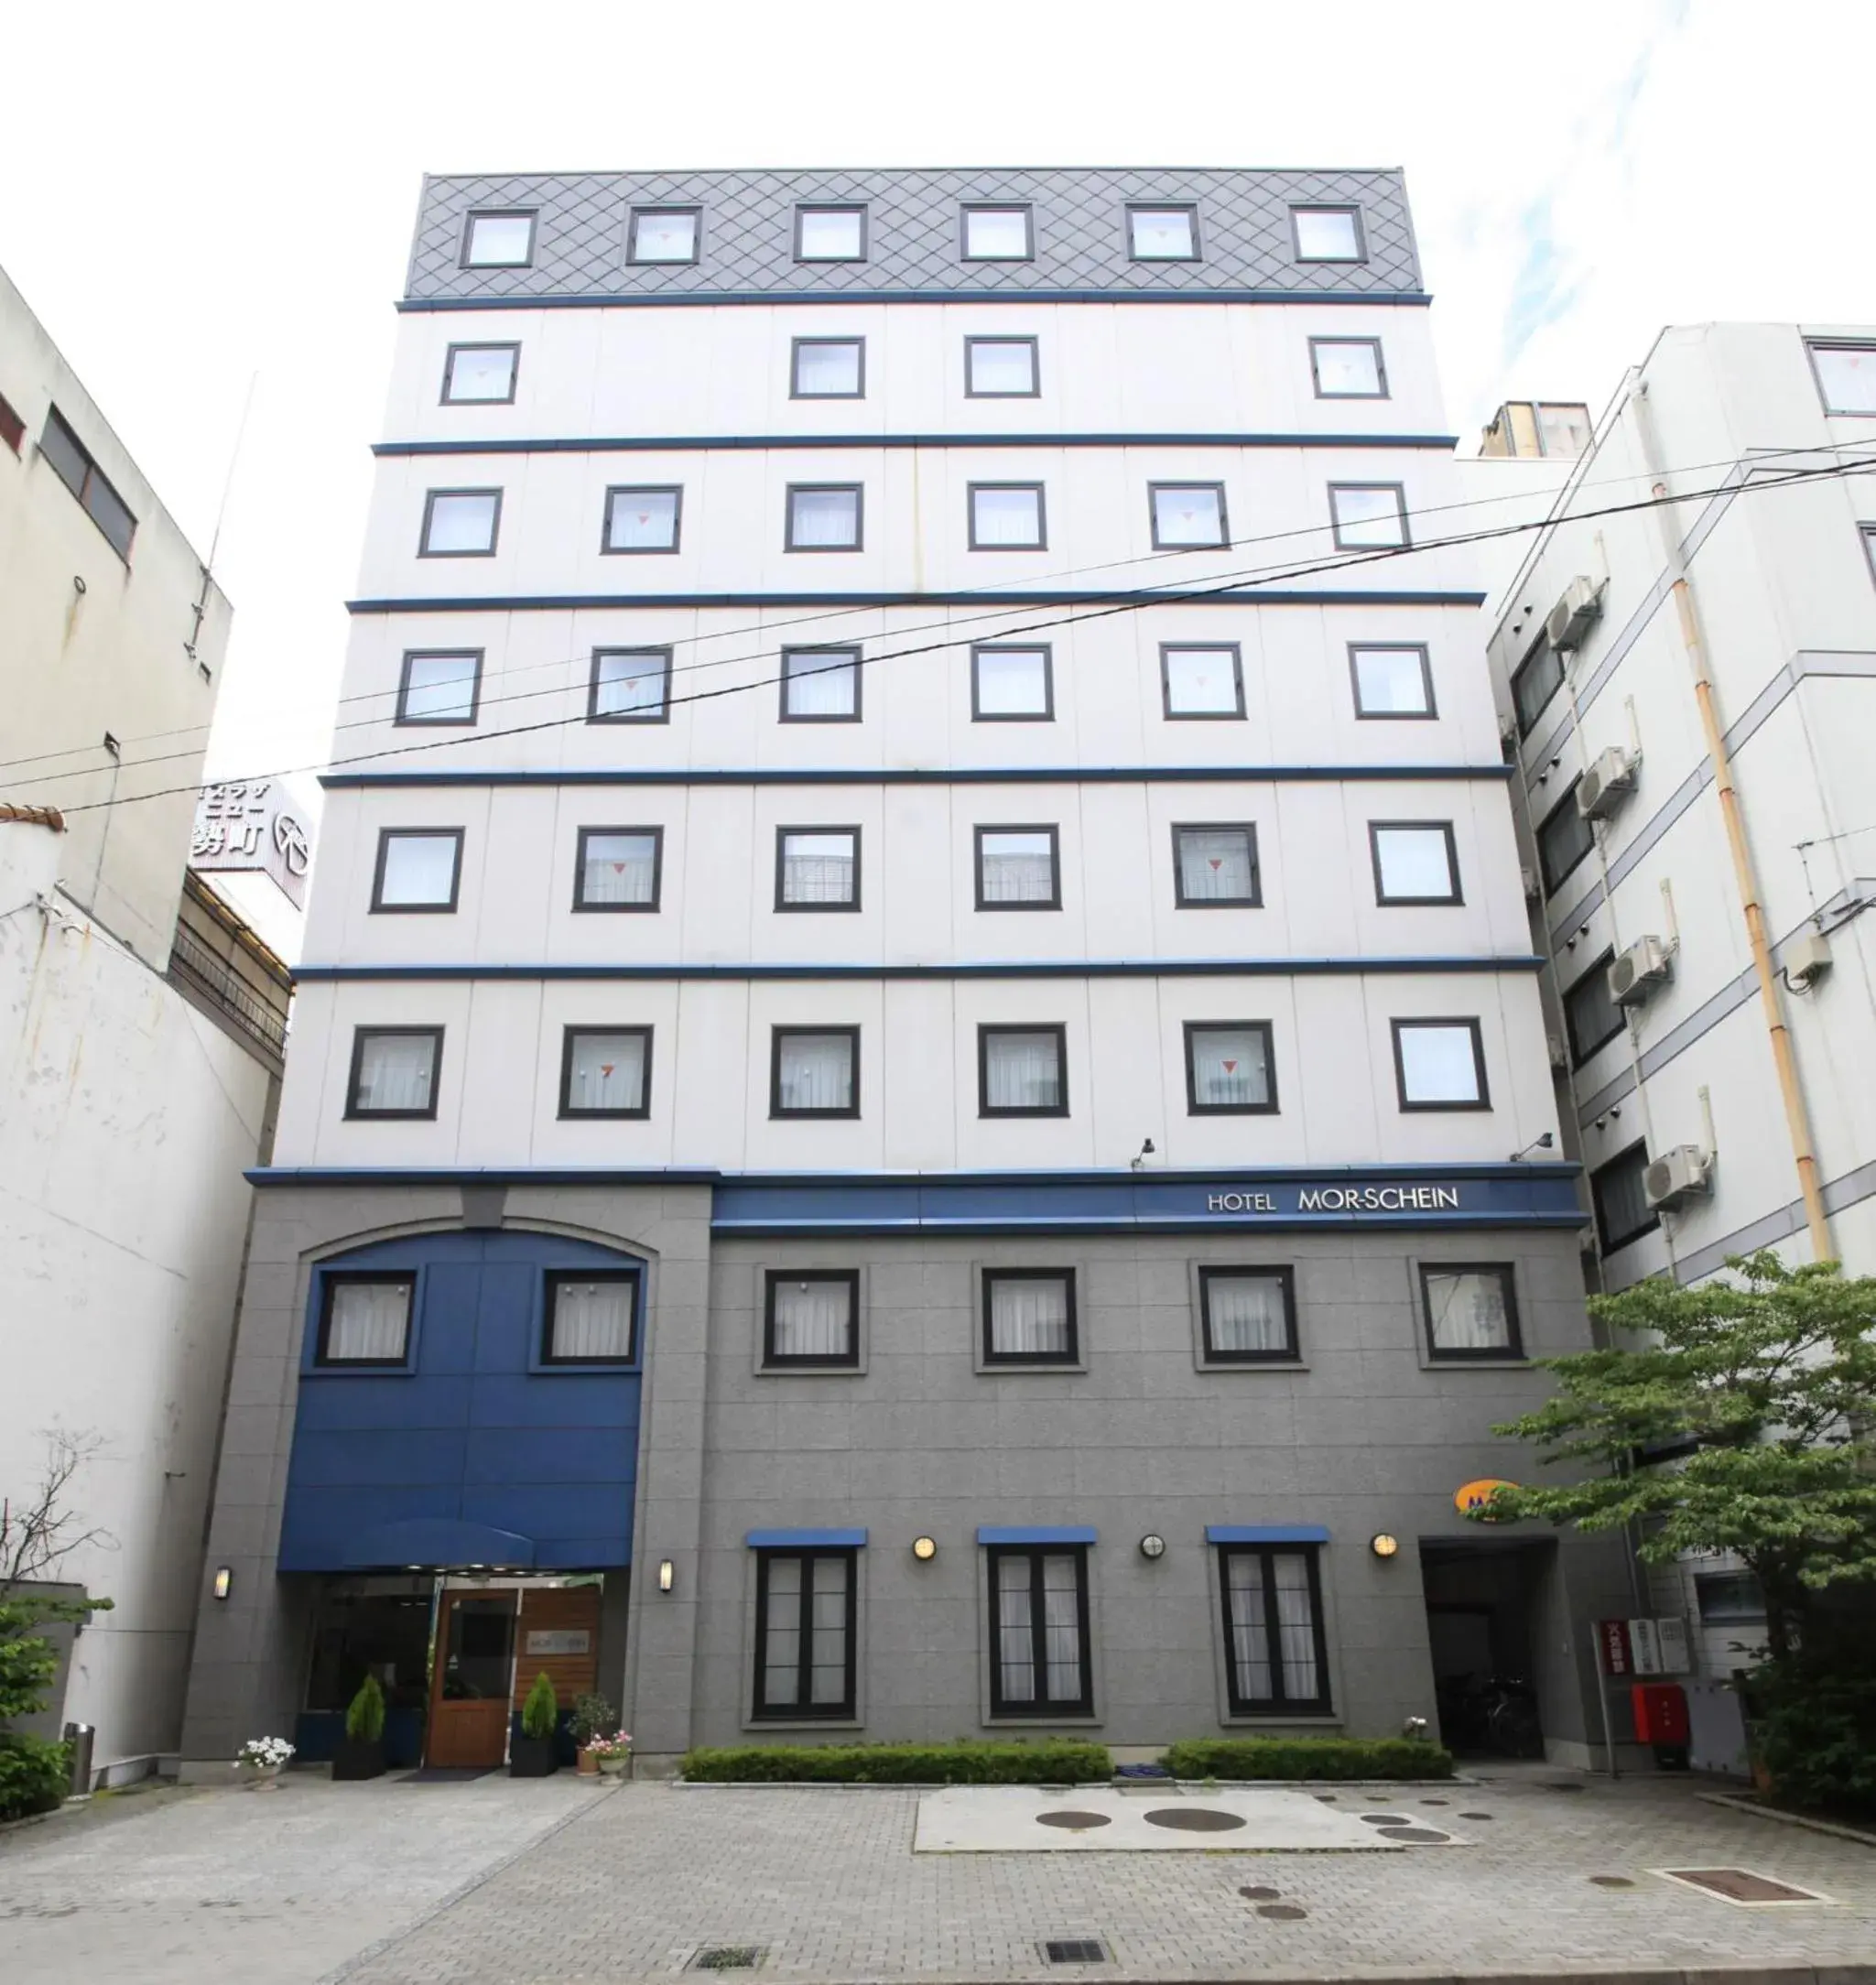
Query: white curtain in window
[
  {"x": 437, "y": 687},
  {"x": 817, "y": 1071},
  {"x": 1011, "y": 682},
  {"x": 826, "y": 1678},
  {"x": 396, "y": 1071},
  {"x": 419, "y": 869},
  {"x": 1325, "y": 234},
  {"x": 619, "y": 868},
  {"x": 1249, "y": 1631},
  {"x": 1022, "y": 1071},
  {"x": 1202, "y": 682},
  {"x": 1347, "y": 365},
  {"x": 1621, "y": 1199},
  {"x": 1230, "y": 1067},
  {"x": 1246, "y": 1313},
  {"x": 1295, "y": 1626},
  {"x": 1413, "y": 861},
  {"x": 1189, "y": 516},
  {"x": 1002, "y": 365},
  {"x": 642, "y": 519},
  {"x": 486, "y": 374},
  {"x": 1215, "y": 864},
  {"x": 813, "y": 1319},
  {"x": 606, "y": 1072},
  {"x": 1017, "y": 868},
  {"x": 1006, "y": 516},
  {"x": 500, "y": 240},
  {"x": 1161, "y": 233},
  {"x": 996, "y": 234},
  {"x": 830, "y": 368},
  {"x": 593, "y": 1319},
  {"x": 825, "y": 517},
  {"x": 664, "y": 237},
  {"x": 1015, "y": 1631},
  {"x": 465, "y": 522},
  {"x": 1029, "y": 1316},
  {"x": 1437, "y": 1064},
  {"x": 1369, "y": 517},
  {"x": 1389, "y": 682},
  {"x": 1467, "y": 1312},
  {"x": 367, "y": 1320},
  {"x": 817, "y": 868},
  {"x": 821, "y": 683},
  {"x": 630, "y": 682},
  {"x": 1061, "y": 1622},
  {"x": 781, "y": 1651}
]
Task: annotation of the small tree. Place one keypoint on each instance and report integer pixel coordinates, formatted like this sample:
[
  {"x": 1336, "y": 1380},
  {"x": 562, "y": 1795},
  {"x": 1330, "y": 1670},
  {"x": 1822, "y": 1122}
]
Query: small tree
[
  {"x": 593, "y": 1716},
  {"x": 540, "y": 1712},
  {"x": 365, "y": 1714}
]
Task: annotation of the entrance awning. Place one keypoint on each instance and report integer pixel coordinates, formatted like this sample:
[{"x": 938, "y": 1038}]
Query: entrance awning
[{"x": 438, "y": 1543}]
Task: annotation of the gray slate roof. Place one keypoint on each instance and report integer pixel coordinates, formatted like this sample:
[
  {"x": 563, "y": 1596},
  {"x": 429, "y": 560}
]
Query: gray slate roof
[{"x": 912, "y": 227}]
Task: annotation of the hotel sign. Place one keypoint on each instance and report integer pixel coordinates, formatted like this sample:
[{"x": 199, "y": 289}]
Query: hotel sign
[
  {"x": 252, "y": 824},
  {"x": 1292, "y": 1199}
]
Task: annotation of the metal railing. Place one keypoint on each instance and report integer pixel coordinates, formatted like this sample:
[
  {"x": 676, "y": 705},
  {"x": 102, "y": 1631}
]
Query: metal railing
[{"x": 193, "y": 964}]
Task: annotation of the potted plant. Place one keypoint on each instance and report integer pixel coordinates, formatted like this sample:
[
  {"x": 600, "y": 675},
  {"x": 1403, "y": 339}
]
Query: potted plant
[
  {"x": 593, "y": 1717},
  {"x": 613, "y": 1755},
  {"x": 259, "y": 1762},
  {"x": 532, "y": 1752},
  {"x": 361, "y": 1753}
]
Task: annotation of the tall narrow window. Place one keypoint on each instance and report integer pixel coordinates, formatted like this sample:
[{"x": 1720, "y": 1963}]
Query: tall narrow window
[
  {"x": 589, "y": 1318},
  {"x": 1188, "y": 516},
  {"x": 829, "y": 233},
  {"x": 820, "y": 684},
  {"x": 1022, "y": 1071},
  {"x": 1201, "y": 682},
  {"x": 998, "y": 234},
  {"x": 1276, "y": 1661},
  {"x": 828, "y": 369},
  {"x": 418, "y": 869},
  {"x": 1439, "y": 1065},
  {"x": 1012, "y": 685},
  {"x": 1038, "y": 1631},
  {"x": 498, "y": 241},
  {"x": 364, "y": 1318},
  {"x": 1618, "y": 1194},
  {"x": 393, "y": 1072},
  {"x": 805, "y": 1619},
  {"x": 815, "y": 1072},
  {"x": 823, "y": 516},
  {"x": 1591, "y": 1014},
  {"x": 1163, "y": 233},
  {"x": 605, "y": 1072},
  {"x": 1001, "y": 369},
  {"x": 1347, "y": 369},
  {"x": 1249, "y": 1315},
  {"x": 1471, "y": 1312},
  {"x": 1018, "y": 869},
  {"x": 1414, "y": 861},
  {"x": 642, "y": 519},
  {"x": 480, "y": 375},
  {"x": 71, "y": 463},
  {"x": 1229, "y": 1069},
  {"x": 663, "y": 234},
  {"x": 810, "y": 1319},
  {"x": 1215, "y": 867},
  {"x": 817, "y": 868},
  {"x": 459, "y": 523},
  {"x": 617, "y": 868},
  {"x": 1367, "y": 514},
  {"x": 629, "y": 686},
  {"x": 1564, "y": 839},
  {"x": 439, "y": 688},
  {"x": 1393, "y": 678},
  {"x": 1007, "y": 517},
  {"x": 1534, "y": 681},
  {"x": 1328, "y": 233}
]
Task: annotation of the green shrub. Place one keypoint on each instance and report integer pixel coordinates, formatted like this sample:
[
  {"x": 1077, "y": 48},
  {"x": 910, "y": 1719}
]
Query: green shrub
[
  {"x": 540, "y": 1713},
  {"x": 365, "y": 1715},
  {"x": 34, "y": 1774},
  {"x": 1815, "y": 1733},
  {"x": 1307, "y": 1757},
  {"x": 1053, "y": 1761},
  {"x": 593, "y": 1716}
]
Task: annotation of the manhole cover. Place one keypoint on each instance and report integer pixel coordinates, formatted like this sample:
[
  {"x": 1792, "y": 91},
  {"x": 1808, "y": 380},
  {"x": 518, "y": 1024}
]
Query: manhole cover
[
  {"x": 1475, "y": 1816},
  {"x": 1739, "y": 1885},
  {"x": 1563, "y": 1785},
  {"x": 1260, "y": 1894},
  {"x": 1423, "y": 1834},
  {"x": 1074, "y": 1822},
  {"x": 1612, "y": 1882},
  {"x": 1435, "y": 1802},
  {"x": 1386, "y": 1820},
  {"x": 727, "y": 1958},
  {"x": 1328, "y": 1798},
  {"x": 1282, "y": 1912},
  {"x": 1195, "y": 1820},
  {"x": 1075, "y": 1951}
]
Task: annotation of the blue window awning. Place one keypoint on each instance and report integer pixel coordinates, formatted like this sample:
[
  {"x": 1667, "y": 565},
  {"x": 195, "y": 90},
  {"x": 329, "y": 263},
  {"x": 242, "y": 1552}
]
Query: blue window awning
[
  {"x": 804, "y": 1540},
  {"x": 1265, "y": 1533}
]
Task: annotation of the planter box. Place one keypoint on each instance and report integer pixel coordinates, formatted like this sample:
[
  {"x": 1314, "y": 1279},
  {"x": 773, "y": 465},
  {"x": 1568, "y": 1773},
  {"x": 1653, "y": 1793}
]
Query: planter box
[
  {"x": 532, "y": 1757},
  {"x": 359, "y": 1757}
]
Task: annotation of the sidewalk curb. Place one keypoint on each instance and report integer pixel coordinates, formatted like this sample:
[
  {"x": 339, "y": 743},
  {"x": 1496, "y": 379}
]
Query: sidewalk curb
[{"x": 1734, "y": 1802}]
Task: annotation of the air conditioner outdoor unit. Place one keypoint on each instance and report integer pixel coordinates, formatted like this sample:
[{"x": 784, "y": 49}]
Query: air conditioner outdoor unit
[
  {"x": 1577, "y": 609},
  {"x": 1677, "y": 1175},
  {"x": 1607, "y": 784},
  {"x": 1635, "y": 974}
]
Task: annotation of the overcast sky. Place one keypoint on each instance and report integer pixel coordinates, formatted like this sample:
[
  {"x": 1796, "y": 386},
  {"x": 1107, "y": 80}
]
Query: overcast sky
[{"x": 195, "y": 194}]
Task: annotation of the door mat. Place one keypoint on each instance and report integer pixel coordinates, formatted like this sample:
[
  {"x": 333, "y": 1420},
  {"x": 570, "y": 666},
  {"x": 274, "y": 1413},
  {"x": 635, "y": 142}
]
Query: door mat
[{"x": 447, "y": 1774}]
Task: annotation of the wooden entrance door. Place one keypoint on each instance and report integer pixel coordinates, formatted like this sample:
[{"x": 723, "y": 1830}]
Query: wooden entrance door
[{"x": 473, "y": 1677}]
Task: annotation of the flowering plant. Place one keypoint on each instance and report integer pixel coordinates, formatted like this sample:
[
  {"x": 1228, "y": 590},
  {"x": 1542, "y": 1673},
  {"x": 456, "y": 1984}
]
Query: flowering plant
[
  {"x": 618, "y": 1745},
  {"x": 263, "y": 1753}
]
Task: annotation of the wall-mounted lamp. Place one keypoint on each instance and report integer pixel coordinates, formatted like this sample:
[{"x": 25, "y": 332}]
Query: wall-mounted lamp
[
  {"x": 925, "y": 1549},
  {"x": 667, "y": 1574},
  {"x": 1383, "y": 1545},
  {"x": 224, "y": 1580},
  {"x": 1152, "y": 1545},
  {"x": 1542, "y": 1142}
]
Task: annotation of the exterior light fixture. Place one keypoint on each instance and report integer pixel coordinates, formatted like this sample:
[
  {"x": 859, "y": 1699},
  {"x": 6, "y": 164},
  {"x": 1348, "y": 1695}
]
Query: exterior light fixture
[
  {"x": 224, "y": 1580},
  {"x": 925, "y": 1549},
  {"x": 667, "y": 1575},
  {"x": 1383, "y": 1545},
  {"x": 1152, "y": 1545}
]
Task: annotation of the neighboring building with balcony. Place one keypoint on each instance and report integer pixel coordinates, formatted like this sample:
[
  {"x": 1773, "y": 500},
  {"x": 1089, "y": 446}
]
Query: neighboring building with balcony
[
  {"x": 919, "y": 1044},
  {"x": 141, "y": 1031}
]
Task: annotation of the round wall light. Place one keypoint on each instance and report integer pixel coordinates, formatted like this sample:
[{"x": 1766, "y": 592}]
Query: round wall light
[
  {"x": 925, "y": 1549},
  {"x": 1152, "y": 1545},
  {"x": 1383, "y": 1545}
]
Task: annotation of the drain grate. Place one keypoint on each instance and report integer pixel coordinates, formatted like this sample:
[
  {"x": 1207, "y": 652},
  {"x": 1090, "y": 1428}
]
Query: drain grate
[
  {"x": 1076, "y": 1950},
  {"x": 1741, "y": 1885},
  {"x": 727, "y": 1958}
]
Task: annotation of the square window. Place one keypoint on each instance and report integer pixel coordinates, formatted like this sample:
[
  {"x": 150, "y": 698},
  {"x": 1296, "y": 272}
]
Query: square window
[
  {"x": 1188, "y": 516},
  {"x": 805, "y": 1619},
  {"x": 1201, "y": 680},
  {"x": 629, "y": 686},
  {"x": 364, "y": 1319},
  {"x": 1618, "y": 1193},
  {"x": 1029, "y": 1316},
  {"x": 618, "y": 868},
  {"x": 817, "y": 868},
  {"x": 1215, "y": 866},
  {"x": 1006, "y": 516},
  {"x": 481, "y": 374},
  {"x": 1247, "y": 1315},
  {"x": 1845, "y": 377},
  {"x": 810, "y": 1319},
  {"x": 1229, "y": 1068},
  {"x": 642, "y": 519},
  {"x": 815, "y": 1072},
  {"x": 1564, "y": 839},
  {"x": 1038, "y": 1631},
  {"x": 1470, "y": 1311},
  {"x": 998, "y": 234},
  {"x": 589, "y": 1318},
  {"x": 831, "y": 234},
  {"x": 393, "y": 1072},
  {"x": 823, "y": 516},
  {"x": 1723, "y": 1596},
  {"x": 1439, "y": 1065},
  {"x": 1534, "y": 681},
  {"x": 1022, "y": 1071},
  {"x": 605, "y": 1072},
  {"x": 1347, "y": 369},
  {"x": 1012, "y": 685},
  {"x": 459, "y": 523},
  {"x": 1001, "y": 369},
  {"x": 1591, "y": 1012},
  {"x": 1276, "y": 1660},
  {"x": 1328, "y": 233},
  {"x": 498, "y": 241},
  {"x": 1163, "y": 233},
  {"x": 820, "y": 684},
  {"x": 828, "y": 369},
  {"x": 439, "y": 686},
  {"x": 1018, "y": 868},
  {"x": 418, "y": 869},
  {"x": 1414, "y": 861},
  {"x": 663, "y": 234},
  {"x": 1393, "y": 678},
  {"x": 1367, "y": 514}
]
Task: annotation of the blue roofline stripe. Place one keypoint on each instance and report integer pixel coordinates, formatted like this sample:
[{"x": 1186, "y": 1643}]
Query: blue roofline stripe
[
  {"x": 751, "y": 601},
  {"x": 1035, "y": 1534},
  {"x": 1231, "y": 774},
  {"x": 694, "y": 300},
  {"x": 1265, "y": 1533},
  {"x": 691, "y": 443},
  {"x": 1184, "y": 968}
]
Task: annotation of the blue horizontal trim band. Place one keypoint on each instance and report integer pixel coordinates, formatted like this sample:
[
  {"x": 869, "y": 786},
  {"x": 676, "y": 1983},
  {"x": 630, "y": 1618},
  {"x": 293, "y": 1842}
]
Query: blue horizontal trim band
[
  {"x": 703, "y": 299},
  {"x": 695, "y": 1175},
  {"x": 1231, "y": 774},
  {"x": 623, "y": 444},
  {"x": 1035, "y": 1534},
  {"x": 750, "y": 601},
  {"x": 1265, "y": 1533},
  {"x": 1124, "y": 967},
  {"x": 804, "y": 1540}
]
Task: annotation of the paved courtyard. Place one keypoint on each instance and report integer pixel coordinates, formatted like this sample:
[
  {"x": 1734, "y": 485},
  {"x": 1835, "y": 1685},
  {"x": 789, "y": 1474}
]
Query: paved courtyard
[{"x": 558, "y": 1881}]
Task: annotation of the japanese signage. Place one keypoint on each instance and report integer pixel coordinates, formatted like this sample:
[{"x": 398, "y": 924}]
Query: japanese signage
[
  {"x": 252, "y": 824},
  {"x": 560, "y": 1641},
  {"x": 1475, "y": 1495},
  {"x": 1612, "y": 1646},
  {"x": 1650, "y": 1646}
]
